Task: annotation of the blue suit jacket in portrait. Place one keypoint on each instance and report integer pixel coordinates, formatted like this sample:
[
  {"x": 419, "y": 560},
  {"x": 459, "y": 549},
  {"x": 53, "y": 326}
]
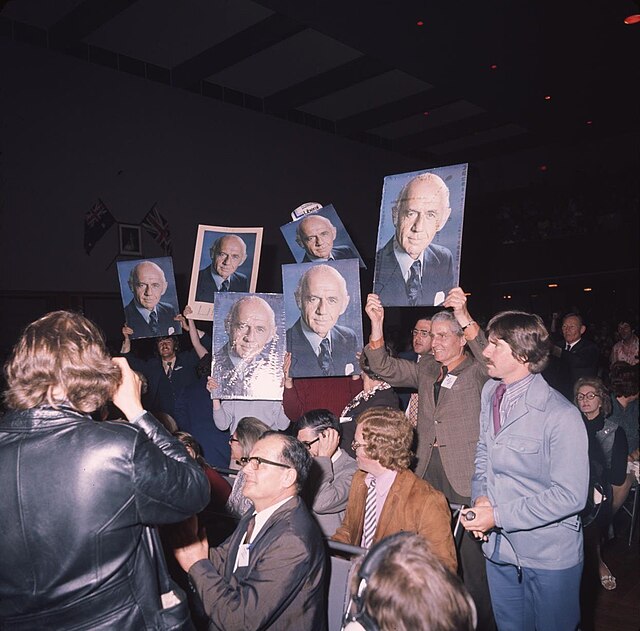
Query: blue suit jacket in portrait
[
  {"x": 338, "y": 253},
  {"x": 166, "y": 324},
  {"x": 304, "y": 362},
  {"x": 206, "y": 287},
  {"x": 437, "y": 275}
]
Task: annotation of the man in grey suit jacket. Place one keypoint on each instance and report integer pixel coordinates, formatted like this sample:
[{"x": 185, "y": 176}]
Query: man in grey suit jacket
[
  {"x": 410, "y": 270},
  {"x": 319, "y": 346},
  {"x": 449, "y": 383},
  {"x": 270, "y": 573},
  {"x": 227, "y": 253},
  {"x": 330, "y": 480},
  {"x": 531, "y": 482}
]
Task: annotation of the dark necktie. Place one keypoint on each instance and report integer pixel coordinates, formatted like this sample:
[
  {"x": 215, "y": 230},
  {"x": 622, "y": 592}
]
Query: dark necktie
[
  {"x": 495, "y": 404},
  {"x": 324, "y": 357},
  {"x": 153, "y": 323},
  {"x": 567, "y": 347},
  {"x": 413, "y": 284},
  {"x": 169, "y": 370},
  {"x": 225, "y": 285},
  {"x": 438, "y": 383},
  {"x": 250, "y": 526}
]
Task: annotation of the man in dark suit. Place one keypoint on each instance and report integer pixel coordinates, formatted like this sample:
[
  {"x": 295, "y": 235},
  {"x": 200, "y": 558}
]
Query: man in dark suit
[
  {"x": 145, "y": 314},
  {"x": 316, "y": 235},
  {"x": 410, "y": 270},
  {"x": 577, "y": 358},
  {"x": 319, "y": 346},
  {"x": 227, "y": 254},
  {"x": 270, "y": 573}
]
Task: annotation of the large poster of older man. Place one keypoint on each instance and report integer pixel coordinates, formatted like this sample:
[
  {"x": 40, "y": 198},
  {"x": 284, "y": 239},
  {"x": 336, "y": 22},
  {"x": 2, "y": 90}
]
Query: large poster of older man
[
  {"x": 320, "y": 236},
  {"x": 324, "y": 318},
  {"x": 225, "y": 260},
  {"x": 149, "y": 298},
  {"x": 248, "y": 346},
  {"x": 420, "y": 236}
]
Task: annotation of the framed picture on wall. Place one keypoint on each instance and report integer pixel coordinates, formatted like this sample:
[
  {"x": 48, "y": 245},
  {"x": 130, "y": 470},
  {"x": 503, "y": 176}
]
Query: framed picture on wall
[{"x": 129, "y": 239}]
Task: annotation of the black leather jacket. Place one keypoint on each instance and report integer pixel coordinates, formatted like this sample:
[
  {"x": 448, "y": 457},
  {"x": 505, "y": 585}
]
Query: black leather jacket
[{"x": 74, "y": 495}]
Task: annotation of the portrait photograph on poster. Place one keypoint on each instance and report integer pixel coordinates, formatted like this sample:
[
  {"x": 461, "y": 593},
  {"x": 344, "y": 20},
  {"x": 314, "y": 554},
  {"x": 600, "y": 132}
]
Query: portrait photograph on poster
[
  {"x": 420, "y": 236},
  {"x": 323, "y": 318},
  {"x": 149, "y": 298},
  {"x": 225, "y": 260},
  {"x": 320, "y": 236},
  {"x": 248, "y": 346}
]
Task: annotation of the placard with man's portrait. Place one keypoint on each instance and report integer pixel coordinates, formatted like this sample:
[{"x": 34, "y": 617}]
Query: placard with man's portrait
[
  {"x": 420, "y": 236},
  {"x": 149, "y": 298},
  {"x": 224, "y": 260},
  {"x": 324, "y": 318},
  {"x": 248, "y": 346},
  {"x": 320, "y": 236}
]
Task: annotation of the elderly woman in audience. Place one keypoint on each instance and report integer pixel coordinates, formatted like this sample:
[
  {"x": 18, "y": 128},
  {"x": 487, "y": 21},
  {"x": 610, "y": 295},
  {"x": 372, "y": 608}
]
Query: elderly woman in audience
[
  {"x": 375, "y": 392},
  {"x": 608, "y": 464},
  {"x": 245, "y": 436}
]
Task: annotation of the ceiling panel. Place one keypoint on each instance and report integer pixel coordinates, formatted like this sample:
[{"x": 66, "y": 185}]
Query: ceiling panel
[
  {"x": 41, "y": 13},
  {"x": 166, "y": 33},
  {"x": 362, "y": 96},
  {"x": 295, "y": 59},
  {"x": 480, "y": 138}
]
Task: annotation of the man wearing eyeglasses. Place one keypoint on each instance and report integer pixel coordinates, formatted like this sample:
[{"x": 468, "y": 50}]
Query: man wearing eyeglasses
[
  {"x": 420, "y": 346},
  {"x": 449, "y": 383},
  {"x": 270, "y": 572},
  {"x": 320, "y": 432}
]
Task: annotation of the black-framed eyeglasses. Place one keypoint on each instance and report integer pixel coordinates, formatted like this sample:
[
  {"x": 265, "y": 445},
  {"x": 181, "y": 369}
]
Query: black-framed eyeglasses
[
  {"x": 308, "y": 443},
  {"x": 420, "y": 332},
  {"x": 256, "y": 461},
  {"x": 233, "y": 440},
  {"x": 589, "y": 395},
  {"x": 355, "y": 445}
]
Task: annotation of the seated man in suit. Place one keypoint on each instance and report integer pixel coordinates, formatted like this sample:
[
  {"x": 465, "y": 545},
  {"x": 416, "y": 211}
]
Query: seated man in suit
[
  {"x": 385, "y": 496},
  {"x": 316, "y": 235},
  {"x": 271, "y": 572},
  {"x": 227, "y": 253},
  {"x": 410, "y": 270},
  {"x": 320, "y": 432},
  {"x": 244, "y": 366},
  {"x": 145, "y": 314},
  {"x": 319, "y": 346}
]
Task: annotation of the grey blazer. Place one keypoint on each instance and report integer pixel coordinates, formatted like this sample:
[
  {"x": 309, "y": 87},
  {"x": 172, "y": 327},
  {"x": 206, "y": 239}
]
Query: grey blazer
[
  {"x": 283, "y": 586},
  {"x": 535, "y": 472},
  {"x": 454, "y": 421}
]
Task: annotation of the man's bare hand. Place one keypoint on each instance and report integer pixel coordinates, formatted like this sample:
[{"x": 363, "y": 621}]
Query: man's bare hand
[
  {"x": 374, "y": 309},
  {"x": 189, "y": 544},
  {"x": 328, "y": 442},
  {"x": 127, "y": 396}
]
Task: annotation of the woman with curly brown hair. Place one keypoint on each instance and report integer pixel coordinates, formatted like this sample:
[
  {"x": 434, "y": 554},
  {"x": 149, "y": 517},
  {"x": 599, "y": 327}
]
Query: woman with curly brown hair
[{"x": 77, "y": 493}]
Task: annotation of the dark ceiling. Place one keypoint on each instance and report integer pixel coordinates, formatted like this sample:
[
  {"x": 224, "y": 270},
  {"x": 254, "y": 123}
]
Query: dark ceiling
[{"x": 446, "y": 82}]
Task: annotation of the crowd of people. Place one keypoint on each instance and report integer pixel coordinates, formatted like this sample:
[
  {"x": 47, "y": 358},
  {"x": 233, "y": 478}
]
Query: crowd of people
[{"x": 516, "y": 426}]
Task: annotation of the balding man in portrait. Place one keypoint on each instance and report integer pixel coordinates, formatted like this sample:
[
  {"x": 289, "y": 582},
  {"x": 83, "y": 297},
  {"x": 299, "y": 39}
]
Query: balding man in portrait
[
  {"x": 410, "y": 269},
  {"x": 227, "y": 253},
  {"x": 316, "y": 235},
  {"x": 146, "y": 314},
  {"x": 318, "y": 345},
  {"x": 245, "y": 366}
]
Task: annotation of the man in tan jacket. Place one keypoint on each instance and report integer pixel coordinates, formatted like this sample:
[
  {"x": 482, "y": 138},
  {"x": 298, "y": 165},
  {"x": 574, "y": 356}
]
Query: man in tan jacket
[{"x": 385, "y": 496}]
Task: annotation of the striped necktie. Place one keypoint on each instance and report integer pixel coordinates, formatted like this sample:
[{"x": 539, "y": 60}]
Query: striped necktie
[
  {"x": 153, "y": 323},
  {"x": 370, "y": 516}
]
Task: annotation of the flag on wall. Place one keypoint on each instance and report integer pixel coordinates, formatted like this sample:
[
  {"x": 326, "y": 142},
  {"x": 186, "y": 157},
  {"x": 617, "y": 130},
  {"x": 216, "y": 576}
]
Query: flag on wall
[
  {"x": 158, "y": 227},
  {"x": 96, "y": 223}
]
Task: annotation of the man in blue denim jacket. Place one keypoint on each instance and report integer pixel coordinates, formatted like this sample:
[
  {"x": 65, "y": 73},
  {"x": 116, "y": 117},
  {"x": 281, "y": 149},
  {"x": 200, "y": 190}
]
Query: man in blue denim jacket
[{"x": 530, "y": 482}]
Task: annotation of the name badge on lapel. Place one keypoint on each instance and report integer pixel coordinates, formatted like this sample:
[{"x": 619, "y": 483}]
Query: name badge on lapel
[{"x": 448, "y": 381}]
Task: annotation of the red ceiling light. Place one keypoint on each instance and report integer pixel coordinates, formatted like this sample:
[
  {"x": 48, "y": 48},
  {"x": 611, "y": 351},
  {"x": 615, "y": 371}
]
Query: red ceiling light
[
  {"x": 589, "y": 122},
  {"x": 632, "y": 19},
  {"x": 419, "y": 23},
  {"x": 542, "y": 167},
  {"x": 493, "y": 66},
  {"x": 425, "y": 113},
  {"x": 547, "y": 98}
]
